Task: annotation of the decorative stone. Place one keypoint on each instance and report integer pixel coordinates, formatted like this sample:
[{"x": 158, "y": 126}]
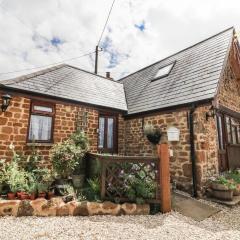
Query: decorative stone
[
  {"x": 128, "y": 208},
  {"x": 78, "y": 208},
  {"x": 57, "y": 201},
  {"x": 25, "y": 209},
  {"x": 110, "y": 208},
  {"x": 62, "y": 210},
  {"x": 9, "y": 207},
  {"x": 94, "y": 208},
  {"x": 135, "y": 209},
  {"x": 143, "y": 209},
  {"x": 43, "y": 208}
]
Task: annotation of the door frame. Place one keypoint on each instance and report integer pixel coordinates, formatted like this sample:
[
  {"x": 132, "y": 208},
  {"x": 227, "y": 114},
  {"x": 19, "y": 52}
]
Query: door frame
[{"x": 114, "y": 149}]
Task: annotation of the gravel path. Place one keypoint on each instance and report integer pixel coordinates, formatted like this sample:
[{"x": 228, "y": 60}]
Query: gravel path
[{"x": 224, "y": 225}]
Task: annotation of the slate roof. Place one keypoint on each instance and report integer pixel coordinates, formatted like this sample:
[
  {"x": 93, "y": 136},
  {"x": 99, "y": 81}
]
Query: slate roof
[
  {"x": 193, "y": 78},
  {"x": 72, "y": 83}
]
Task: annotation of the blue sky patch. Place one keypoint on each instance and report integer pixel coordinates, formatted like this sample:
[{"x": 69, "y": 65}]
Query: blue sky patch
[
  {"x": 55, "y": 41},
  {"x": 140, "y": 26}
]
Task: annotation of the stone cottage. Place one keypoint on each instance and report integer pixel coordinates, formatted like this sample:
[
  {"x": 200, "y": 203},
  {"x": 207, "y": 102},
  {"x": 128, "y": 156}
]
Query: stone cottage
[{"x": 195, "y": 91}]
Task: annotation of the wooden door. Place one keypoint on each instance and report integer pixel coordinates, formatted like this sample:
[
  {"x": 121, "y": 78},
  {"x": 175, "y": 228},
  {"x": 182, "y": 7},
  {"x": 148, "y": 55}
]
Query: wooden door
[{"x": 228, "y": 142}]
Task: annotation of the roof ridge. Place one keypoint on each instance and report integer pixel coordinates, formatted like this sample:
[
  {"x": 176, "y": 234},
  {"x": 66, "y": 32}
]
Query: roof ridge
[
  {"x": 30, "y": 75},
  {"x": 206, "y": 39},
  {"x": 92, "y": 73}
]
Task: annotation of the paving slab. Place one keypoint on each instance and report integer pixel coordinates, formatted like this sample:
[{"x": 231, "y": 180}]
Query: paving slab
[{"x": 193, "y": 208}]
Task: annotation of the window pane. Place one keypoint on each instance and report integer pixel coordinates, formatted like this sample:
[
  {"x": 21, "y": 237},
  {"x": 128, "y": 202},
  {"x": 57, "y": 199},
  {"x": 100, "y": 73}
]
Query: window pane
[
  {"x": 110, "y": 133},
  {"x": 42, "y": 108},
  {"x": 164, "y": 71},
  {"x": 101, "y": 132},
  {"x": 40, "y": 128},
  {"x": 234, "y": 130}
]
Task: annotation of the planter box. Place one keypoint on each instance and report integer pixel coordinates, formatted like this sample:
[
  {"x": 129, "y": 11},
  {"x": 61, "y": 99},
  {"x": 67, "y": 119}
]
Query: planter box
[
  {"x": 226, "y": 195},
  {"x": 219, "y": 187}
]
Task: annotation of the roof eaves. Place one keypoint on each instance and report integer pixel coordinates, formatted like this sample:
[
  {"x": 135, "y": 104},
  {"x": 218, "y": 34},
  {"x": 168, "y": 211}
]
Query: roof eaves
[{"x": 30, "y": 75}]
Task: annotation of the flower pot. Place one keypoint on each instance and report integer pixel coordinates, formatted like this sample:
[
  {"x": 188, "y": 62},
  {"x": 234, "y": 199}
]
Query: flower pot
[
  {"x": 219, "y": 187},
  {"x": 78, "y": 180},
  {"x": 11, "y": 196},
  {"x": 50, "y": 195},
  {"x": 42, "y": 195},
  {"x": 154, "y": 138},
  {"x": 32, "y": 196},
  {"x": 24, "y": 196},
  {"x": 19, "y": 194},
  {"x": 223, "y": 195}
]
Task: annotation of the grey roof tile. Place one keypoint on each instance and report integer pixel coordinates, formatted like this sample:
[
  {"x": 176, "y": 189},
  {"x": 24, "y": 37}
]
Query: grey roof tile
[
  {"x": 194, "y": 76},
  {"x": 68, "y": 82}
]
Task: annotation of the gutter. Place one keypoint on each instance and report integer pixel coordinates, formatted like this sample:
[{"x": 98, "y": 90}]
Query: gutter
[{"x": 192, "y": 150}]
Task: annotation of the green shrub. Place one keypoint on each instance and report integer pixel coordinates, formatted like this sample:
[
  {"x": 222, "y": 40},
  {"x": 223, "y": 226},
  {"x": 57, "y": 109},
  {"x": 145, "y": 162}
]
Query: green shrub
[
  {"x": 80, "y": 139},
  {"x": 65, "y": 157},
  {"x": 138, "y": 190},
  {"x": 93, "y": 190}
]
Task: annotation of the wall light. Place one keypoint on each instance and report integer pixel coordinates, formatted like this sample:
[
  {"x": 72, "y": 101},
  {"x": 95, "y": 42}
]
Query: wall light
[
  {"x": 6, "y": 99},
  {"x": 211, "y": 113}
]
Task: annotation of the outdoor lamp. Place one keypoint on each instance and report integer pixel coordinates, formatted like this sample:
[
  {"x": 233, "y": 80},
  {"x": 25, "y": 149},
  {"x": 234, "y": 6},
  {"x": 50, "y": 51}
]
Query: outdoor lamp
[
  {"x": 211, "y": 113},
  {"x": 6, "y": 98}
]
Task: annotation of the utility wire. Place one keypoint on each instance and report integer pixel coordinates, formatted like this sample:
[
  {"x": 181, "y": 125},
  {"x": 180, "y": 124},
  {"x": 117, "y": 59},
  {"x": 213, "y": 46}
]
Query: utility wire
[
  {"x": 109, "y": 13},
  {"x": 48, "y": 65}
]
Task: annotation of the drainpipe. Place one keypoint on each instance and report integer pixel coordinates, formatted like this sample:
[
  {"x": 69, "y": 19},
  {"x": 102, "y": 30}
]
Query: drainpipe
[{"x": 192, "y": 150}]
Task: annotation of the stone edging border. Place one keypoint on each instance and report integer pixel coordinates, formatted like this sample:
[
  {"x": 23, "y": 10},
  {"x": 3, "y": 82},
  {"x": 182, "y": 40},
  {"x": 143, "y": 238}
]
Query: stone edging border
[{"x": 56, "y": 207}]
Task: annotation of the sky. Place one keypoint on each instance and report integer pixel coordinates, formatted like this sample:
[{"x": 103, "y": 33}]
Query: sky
[{"x": 38, "y": 34}]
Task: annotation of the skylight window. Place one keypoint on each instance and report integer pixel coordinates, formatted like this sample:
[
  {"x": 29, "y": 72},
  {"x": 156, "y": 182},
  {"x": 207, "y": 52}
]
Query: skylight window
[{"x": 163, "y": 71}]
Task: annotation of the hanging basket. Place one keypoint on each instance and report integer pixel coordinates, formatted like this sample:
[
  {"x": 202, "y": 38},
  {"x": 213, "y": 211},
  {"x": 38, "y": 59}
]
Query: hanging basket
[{"x": 153, "y": 134}]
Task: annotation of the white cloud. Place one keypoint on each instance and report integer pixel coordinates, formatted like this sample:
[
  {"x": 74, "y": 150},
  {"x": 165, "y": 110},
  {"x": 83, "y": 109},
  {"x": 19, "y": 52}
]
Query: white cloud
[{"x": 28, "y": 26}]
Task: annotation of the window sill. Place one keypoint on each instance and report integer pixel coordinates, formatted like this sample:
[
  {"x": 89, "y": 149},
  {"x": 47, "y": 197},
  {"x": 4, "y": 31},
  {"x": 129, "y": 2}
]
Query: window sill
[{"x": 40, "y": 144}]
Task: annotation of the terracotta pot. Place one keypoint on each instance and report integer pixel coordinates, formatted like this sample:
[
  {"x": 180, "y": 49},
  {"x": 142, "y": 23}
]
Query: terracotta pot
[
  {"x": 32, "y": 196},
  {"x": 11, "y": 196},
  {"x": 50, "y": 195},
  {"x": 24, "y": 196},
  {"x": 42, "y": 195},
  {"x": 19, "y": 194}
]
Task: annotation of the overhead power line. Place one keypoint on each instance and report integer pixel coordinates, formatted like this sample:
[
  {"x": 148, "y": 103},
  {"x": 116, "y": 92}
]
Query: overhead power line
[
  {"x": 99, "y": 41},
  {"x": 109, "y": 13},
  {"x": 47, "y": 65}
]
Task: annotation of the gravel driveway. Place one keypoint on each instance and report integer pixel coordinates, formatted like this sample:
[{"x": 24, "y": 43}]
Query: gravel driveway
[{"x": 224, "y": 225}]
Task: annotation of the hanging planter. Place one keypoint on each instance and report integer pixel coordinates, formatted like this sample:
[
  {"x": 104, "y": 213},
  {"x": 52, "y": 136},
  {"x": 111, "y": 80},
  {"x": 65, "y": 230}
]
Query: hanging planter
[{"x": 153, "y": 134}]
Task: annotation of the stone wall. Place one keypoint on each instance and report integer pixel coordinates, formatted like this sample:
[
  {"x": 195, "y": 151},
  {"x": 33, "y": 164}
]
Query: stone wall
[
  {"x": 180, "y": 163},
  {"x": 229, "y": 88},
  {"x": 14, "y": 127}
]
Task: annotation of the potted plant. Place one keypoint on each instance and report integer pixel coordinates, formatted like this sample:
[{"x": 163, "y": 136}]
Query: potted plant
[
  {"x": 222, "y": 188},
  {"x": 65, "y": 157},
  {"x": 234, "y": 176},
  {"x": 42, "y": 190},
  {"x": 32, "y": 190},
  {"x": 153, "y": 134}
]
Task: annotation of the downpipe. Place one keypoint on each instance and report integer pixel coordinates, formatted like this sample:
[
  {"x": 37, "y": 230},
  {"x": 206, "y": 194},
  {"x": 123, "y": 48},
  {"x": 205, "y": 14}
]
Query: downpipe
[{"x": 192, "y": 150}]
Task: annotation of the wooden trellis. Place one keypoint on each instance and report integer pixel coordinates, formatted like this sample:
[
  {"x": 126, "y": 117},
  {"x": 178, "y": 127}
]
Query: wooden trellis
[{"x": 116, "y": 172}]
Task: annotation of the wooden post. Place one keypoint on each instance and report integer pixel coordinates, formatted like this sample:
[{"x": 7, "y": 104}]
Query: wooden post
[{"x": 164, "y": 177}]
